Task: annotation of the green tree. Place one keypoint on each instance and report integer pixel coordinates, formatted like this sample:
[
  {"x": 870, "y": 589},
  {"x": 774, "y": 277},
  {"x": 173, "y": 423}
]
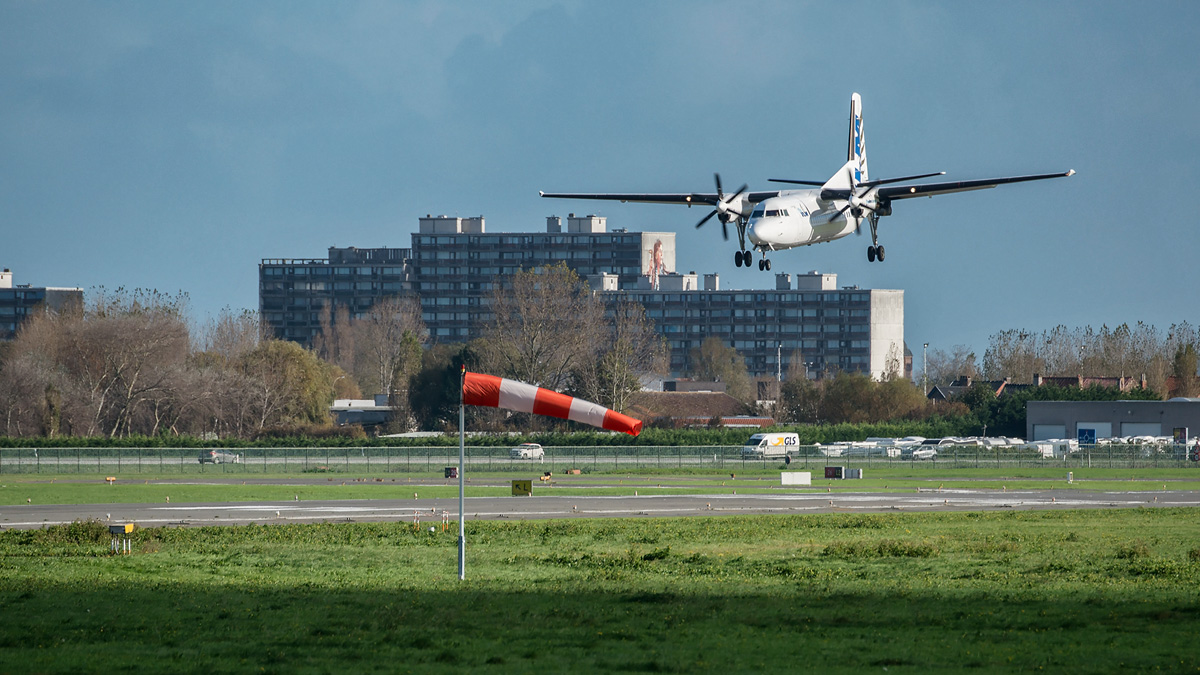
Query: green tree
[
  {"x": 1184, "y": 369},
  {"x": 799, "y": 401},
  {"x": 897, "y": 398},
  {"x": 847, "y": 397},
  {"x": 715, "y": 361},
  {"x": 289, "y": 384},
  {"x": 437, "y": 386}
]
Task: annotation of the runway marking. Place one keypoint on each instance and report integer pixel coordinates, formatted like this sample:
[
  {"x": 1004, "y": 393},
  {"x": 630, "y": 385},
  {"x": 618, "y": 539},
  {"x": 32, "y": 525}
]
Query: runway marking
[{"x": 289, "y": 507}]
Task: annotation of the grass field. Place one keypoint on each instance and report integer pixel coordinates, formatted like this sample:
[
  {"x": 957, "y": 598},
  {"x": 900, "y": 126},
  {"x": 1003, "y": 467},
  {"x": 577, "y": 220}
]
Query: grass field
[{"x": 1085, "y": 591}]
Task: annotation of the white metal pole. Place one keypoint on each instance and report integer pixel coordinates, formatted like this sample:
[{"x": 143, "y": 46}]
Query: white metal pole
[
  {"x": 925, "y": 368},
  {"x": 462, "y": 511}
]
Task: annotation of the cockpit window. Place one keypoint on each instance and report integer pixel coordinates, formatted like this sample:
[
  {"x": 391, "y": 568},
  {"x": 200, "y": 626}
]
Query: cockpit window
[{"x": 757, "y": 212}]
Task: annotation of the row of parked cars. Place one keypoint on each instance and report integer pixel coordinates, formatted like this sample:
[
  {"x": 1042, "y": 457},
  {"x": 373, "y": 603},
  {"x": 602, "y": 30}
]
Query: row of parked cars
[{"x": 219, "y": 457}]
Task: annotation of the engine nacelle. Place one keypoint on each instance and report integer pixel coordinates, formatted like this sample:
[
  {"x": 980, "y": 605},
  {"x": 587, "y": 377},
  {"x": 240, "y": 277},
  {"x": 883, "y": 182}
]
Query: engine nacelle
[{"x": 729, "y": 211}]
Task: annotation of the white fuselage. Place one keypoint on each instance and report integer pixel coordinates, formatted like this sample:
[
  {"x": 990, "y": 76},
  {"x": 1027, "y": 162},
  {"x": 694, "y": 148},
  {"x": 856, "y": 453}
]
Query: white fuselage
[{"x": 796, "y": 218}]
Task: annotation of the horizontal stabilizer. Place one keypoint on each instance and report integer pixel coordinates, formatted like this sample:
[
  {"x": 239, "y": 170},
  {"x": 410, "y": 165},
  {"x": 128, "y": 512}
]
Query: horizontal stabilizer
[{"x": 814, "y": 183}]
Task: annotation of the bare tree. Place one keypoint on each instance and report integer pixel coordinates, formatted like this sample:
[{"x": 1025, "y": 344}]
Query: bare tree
[
  {"x": 546, "y": 326},
  {"x": 110, "y": 359},
  {"x": 1124, "y": 351},
  {"x": 387, "y": 338},
  {"x": 26, "y": 384},
  {"x": 629, "y": 349},
  {"x": 231, "y": 335},
  {"x": 334, "y": 341},
  {"x": 1012, "y": 354},
  {"x": 947, "y": 366}
]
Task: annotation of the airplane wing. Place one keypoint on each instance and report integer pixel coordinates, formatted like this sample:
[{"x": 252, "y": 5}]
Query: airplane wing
[
  {"x": 685, "y": 198},
  {"x": 931, "y": 189}
]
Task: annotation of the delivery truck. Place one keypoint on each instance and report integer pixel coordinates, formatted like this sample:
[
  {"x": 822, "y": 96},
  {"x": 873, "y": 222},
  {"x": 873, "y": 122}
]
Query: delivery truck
[{"x": 763, "y": 446}]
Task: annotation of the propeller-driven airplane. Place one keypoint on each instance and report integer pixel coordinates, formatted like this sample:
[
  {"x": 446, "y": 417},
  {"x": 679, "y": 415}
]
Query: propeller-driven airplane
[{"x": 776, "y": 220}]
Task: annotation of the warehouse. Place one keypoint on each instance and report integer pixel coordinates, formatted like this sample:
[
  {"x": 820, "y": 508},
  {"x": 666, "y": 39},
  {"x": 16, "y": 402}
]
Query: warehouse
[{"x": 1111, "y": 419}]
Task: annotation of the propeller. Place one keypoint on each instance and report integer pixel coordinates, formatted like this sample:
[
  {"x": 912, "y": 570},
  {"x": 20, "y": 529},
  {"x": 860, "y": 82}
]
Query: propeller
[
  {"x": 723, "y": 207},
  {"x": 856, "y": 203}
]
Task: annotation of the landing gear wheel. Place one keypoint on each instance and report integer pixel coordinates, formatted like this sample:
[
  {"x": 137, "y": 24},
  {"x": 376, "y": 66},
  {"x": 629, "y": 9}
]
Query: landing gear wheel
[
  {"x": 768, "y": 264},
  {"x": 879, "y": 253},
  {"x": 762, "y": 265},
  {"x": 870, "y": 254},
  {"x": 737, "y": 258}
]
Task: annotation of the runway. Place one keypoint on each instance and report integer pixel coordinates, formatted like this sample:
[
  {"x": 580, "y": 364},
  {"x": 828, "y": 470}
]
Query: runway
[{"x": 545, "y": 507}]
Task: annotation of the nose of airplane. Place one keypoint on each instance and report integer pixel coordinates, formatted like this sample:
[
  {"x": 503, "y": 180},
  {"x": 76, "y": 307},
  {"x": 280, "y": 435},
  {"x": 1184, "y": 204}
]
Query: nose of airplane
[{"x": 756, "y": 231}]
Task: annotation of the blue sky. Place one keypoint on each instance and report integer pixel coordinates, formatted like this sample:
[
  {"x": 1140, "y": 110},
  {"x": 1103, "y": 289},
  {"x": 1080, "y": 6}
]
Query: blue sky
[{"x": 175, "y": 145}]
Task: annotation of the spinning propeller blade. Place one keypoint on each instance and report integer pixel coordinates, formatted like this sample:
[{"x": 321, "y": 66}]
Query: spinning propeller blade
[{"x": 722, "y": 206}]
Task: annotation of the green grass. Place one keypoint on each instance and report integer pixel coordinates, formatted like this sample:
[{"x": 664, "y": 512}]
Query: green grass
[{"x": 1057, "y": 590}]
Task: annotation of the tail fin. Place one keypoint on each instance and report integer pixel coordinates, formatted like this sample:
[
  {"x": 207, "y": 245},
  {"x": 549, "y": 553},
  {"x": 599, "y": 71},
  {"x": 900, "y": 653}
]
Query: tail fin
[{"x": 856, "y": 150}]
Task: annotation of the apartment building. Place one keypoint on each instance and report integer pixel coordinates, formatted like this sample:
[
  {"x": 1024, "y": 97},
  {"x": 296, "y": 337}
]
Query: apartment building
[
  {"x": 18, "y": 302},
  {"x": 452, "y": 263}
]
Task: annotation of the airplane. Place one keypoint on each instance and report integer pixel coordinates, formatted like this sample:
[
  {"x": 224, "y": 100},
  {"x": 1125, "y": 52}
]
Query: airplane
[{"x": 776, "y": 220}]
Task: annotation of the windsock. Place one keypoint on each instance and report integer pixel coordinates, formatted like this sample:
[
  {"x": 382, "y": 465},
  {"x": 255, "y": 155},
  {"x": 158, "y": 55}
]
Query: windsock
[{"x": 498, "y": 392}]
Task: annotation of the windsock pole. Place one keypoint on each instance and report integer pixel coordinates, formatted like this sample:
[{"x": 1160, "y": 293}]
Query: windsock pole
[{"x": 462, "y": 517}]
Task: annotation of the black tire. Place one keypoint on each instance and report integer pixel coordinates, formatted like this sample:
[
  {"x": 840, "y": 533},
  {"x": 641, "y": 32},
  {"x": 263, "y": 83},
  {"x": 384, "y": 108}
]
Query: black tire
[
  {"x": 870, "y": 254},
  {"x": 879, "y": 253},
  {"x": 768, "y": 265}
]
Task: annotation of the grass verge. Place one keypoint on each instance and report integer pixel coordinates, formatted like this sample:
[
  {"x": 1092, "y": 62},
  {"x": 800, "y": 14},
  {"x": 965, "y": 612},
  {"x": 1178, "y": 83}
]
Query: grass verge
[{"x": 1065, "y": 590}]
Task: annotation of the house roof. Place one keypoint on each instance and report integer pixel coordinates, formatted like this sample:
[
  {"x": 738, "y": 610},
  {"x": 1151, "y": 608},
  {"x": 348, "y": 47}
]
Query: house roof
[{"x": 649, "y": 405}]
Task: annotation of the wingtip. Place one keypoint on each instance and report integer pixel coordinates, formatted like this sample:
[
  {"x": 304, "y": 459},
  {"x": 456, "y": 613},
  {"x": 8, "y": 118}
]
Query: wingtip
[
  {"x": 1071, "y": 172},
  {"x": 541, "y": 193}
]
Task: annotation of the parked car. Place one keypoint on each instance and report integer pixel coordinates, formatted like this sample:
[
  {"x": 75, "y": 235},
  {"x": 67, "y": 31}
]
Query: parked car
[
  {"x": 527, "y": 451},
  {"x": 922, "y": 451},
  {"x": 219, "y": 457}
]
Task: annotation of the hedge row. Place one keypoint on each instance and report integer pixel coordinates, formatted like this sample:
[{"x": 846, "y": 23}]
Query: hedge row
[{"x": 809, "y": 435}]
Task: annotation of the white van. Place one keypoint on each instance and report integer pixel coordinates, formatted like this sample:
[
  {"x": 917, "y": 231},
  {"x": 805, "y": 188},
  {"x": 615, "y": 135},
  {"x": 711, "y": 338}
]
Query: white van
[{"x": 771, "y": 445}]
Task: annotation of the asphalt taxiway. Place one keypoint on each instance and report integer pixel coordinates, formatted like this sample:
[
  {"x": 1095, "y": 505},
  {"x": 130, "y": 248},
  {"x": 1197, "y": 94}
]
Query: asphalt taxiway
[{"x": 566, "y": 506}]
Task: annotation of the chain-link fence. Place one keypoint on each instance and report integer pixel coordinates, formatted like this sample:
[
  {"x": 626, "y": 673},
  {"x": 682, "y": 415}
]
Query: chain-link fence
[{"x": 371, "y": 460}]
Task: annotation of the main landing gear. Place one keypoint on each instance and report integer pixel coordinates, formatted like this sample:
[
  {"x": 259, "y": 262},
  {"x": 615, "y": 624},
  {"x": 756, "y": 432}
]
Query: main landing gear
[
  {"x": 874, "y": 251},
  {"x": 747, "y": 258}
]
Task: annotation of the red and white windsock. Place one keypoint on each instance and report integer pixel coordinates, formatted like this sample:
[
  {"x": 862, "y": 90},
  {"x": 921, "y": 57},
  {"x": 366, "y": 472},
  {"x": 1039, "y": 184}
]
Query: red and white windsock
[{"x": 498, "y": 392}]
